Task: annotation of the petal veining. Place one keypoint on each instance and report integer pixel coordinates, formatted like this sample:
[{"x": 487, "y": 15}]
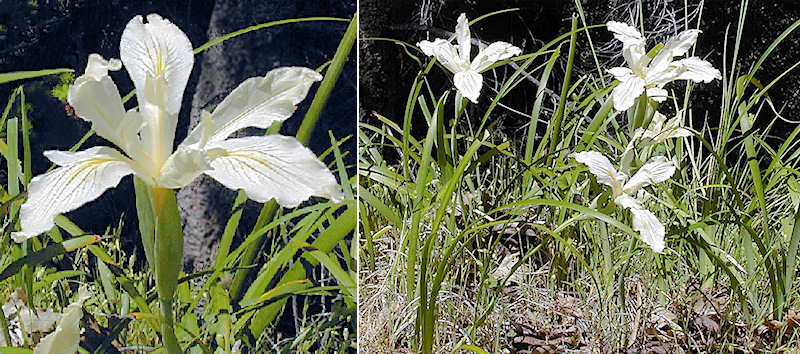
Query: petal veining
[
  {"x": 463, "y": 37},
  {"x": 469, "y": 83},
  {"x": 157, "y": 48},
  {"x": 256, "y": 102},
  {"x": 82, "y": 177},
  {"x": 273, "y": 166}
]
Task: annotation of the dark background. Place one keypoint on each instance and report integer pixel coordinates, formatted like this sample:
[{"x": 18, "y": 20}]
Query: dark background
[
  {"x": 43, "y": 34},
  {"x": 387, "y": 71}
]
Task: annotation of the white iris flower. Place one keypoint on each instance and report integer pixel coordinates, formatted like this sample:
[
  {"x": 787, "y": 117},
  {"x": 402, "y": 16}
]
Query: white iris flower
[
  {"x": 657, "y": 170},
  {"x": 67, "y": 336},
  {"x": 158, "y": 57},
  {"x": 650, "y": 75},
  {"x": 659, "y": 130},
  {"x": 467, "y": 74}
]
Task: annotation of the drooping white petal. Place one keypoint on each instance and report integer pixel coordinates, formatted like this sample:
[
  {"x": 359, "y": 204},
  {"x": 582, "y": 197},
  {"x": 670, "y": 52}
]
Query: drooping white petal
[
  {"x": 601, "y": 168},
  {"x": 650, "y": 229},
  {"x": 493, "y": 53},
  {"x": 82, "y": 177},
  {"x": 657, "y": 94},
  {"x": 692, "y": 68},
  {"x": 626, "y": 93},
  {"x": 67, "y": 335},
  {"x": 695, "y": 69},
  {"x": 675, "y": 47},
  {"x": 157, "y": 48},
  {"x": 657, "y": 170},
  {"x": 273, "y": 166},
  {"x": 625, "y": 33},
  {"x": 469, "y": 84},
  {"x": 445, "y": 53},
  {"x": 95, "y": 98},
  {"x": 620, "y": 73},
  {"x": 256, "y": 102},
  {"x": 463, "y": 37}
]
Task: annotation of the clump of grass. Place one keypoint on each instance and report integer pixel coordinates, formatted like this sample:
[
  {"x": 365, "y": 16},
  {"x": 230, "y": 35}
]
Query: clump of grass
[{"x": 438, "y": 222}]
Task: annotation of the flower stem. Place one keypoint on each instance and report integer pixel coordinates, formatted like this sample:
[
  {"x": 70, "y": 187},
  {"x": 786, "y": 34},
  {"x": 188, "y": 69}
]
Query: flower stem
[{"x": 167, "y": 326}]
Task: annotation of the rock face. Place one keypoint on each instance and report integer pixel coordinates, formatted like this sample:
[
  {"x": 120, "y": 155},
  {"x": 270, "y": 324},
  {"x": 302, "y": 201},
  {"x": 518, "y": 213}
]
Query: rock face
[{"x": 205, "y": 204}]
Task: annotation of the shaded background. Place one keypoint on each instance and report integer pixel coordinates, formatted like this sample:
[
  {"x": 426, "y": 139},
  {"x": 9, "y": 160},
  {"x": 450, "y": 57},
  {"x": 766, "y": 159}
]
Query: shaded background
[
  {"x": 41, "y": 34},
  {"x": 387, "y": 71}
]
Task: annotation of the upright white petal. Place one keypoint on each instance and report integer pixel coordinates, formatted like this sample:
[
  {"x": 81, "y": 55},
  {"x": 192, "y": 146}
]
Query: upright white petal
[
  {"x": 626, "y": 93},
  {"x": 157, "y": 48},
  {"x": 493, "y": 53},
  {"x": 82, "y": 177},
  {"x": 601, "y": 168},
  {"x": 445, "y": 53},
  {"x": 95, "y": 98},
  {"x": 650, "y": 229},
  {"x": 657, "y": 170},
  {"x": 625, "y": 33},
  {"x": 660, "y": 129},
  {"x": 675, "y": 47},
  {"x": 183, "y": 166},
  {"x": 463, "y": 37},
  {"x": 273, "y": 166},
  {"x": 67, "y": 336},
  {"x": 636, "y": 58},
  {"x": 98, "y": 67},
  {"x": 469, "y": 83},
  {"x": 256, "y": 102}
]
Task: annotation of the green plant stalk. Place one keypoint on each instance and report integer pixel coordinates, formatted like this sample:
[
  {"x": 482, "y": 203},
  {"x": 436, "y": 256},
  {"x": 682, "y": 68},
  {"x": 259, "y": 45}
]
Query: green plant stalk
[
  {"x": 168, "y": 252},
  {"x": 160, "y": 225},
  {"x": 12, "y": 160},
  {"x": 26, "y": 139},
  {"x": 419, "y": 211},
  {"x": 303, "y": 135},
  {"x": 326, "y": 86},
  {"x": 427, "y": 307},
  {"x": 558, "y": 117}
]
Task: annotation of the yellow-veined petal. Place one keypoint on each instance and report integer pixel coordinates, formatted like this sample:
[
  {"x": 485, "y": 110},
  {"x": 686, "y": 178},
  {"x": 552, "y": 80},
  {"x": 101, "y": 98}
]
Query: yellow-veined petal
[
  {"x": 273, "y": 166},
  {"x": 256, "y": 102},
  {"x": 675, "y": 47},
  {"x": 157, "y": 48},
  {"x": 82, "y": 177},
  {"x": 627, "y": 92}
]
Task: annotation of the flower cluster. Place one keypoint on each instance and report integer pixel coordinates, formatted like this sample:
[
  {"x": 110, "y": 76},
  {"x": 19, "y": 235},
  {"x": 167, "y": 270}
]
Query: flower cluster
[{"x": 646, "y": 75}]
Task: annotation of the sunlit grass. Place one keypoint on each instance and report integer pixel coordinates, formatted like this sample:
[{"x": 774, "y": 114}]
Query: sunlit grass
[{"x": 433, "y": 221}]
